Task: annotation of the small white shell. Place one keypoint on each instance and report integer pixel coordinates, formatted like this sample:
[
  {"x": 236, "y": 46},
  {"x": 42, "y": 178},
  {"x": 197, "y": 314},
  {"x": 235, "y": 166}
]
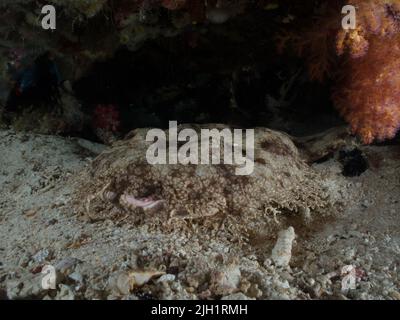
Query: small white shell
[{"x": 124, "y": 282}]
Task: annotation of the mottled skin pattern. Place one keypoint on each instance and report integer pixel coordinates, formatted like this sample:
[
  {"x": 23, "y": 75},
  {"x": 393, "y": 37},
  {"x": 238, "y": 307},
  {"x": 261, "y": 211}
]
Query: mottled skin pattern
[{"x": 121, "y": 183}]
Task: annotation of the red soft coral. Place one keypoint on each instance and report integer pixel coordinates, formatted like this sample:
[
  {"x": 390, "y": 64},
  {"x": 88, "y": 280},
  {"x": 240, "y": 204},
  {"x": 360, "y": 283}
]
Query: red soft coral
[
  {"x": 106, "y": 117},
  {"x": 173, "y": 4},
  {"x": 315, "y": 42}
]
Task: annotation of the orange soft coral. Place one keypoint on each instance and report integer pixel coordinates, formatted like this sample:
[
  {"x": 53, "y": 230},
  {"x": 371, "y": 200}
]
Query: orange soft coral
[
  {"x": 367, "y": 90},
  {"x": 368, "y": 96},
  {"x": 375, "y": 17}
]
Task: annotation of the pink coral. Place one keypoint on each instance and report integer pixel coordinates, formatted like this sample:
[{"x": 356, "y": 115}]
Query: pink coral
[{"x": 106, "y": 117}]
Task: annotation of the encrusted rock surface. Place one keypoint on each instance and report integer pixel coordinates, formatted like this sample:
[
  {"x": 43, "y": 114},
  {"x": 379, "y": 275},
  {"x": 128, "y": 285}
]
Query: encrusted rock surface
[{"x": 120, "y": 184}]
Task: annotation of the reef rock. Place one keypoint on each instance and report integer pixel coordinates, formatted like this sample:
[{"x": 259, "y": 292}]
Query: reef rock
[{"x": 121, "y": 184}]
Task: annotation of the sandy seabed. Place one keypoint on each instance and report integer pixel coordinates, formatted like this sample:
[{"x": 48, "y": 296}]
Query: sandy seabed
[{"x": 352, "y": 254}]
